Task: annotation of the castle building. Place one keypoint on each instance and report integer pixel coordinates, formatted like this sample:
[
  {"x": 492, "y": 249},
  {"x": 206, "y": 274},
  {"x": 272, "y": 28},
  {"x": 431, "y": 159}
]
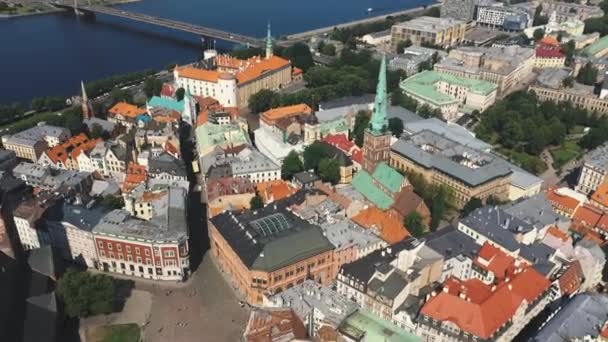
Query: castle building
[
  {"x": 377, "y": 138},
  {"x": 233, "y": 80}
]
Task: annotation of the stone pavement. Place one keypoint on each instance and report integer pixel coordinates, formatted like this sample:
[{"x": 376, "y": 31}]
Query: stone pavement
[{"x": 206, "y": 309}]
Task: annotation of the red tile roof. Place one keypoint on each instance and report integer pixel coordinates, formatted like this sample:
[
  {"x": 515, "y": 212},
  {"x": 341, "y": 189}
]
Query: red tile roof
[
  {"x": 477, "y": 313},
  {"x": 127, "y": 110},
  {"x": 494, "y": 260},
  {"x": 561, "y": 202},
  {"x": 270, "y": 324},
  {"x": 224, "y": 186},
  {"x": 389, "y": 228},
  {"x": 600, "y": 196},
  {"x": 136, "y": 174},
  {"x": 71, "y": 148},
  {"x": 570, "y": 281},
  {"x": 587, "y": 215},
  {"x": 558, "y": 233},
  {"x": 547, "y": 51},
  {"x": 275, "y": 190}
]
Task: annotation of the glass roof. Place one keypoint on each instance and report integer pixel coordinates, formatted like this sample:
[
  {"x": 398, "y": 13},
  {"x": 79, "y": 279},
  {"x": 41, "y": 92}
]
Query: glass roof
[{"x": 271, "y": 224}]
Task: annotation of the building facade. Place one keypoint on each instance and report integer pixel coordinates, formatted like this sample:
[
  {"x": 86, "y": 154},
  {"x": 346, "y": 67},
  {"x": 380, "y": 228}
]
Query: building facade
[
  {"x": 444, "y": 32},
  {"x": 377, "y": 138}
]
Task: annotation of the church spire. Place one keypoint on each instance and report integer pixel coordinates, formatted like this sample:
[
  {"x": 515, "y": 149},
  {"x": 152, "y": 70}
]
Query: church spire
[
  {"x": 269, "y": 51},
  {"x": 379, "y": 122},
  {"x": 87, "y": 111}
]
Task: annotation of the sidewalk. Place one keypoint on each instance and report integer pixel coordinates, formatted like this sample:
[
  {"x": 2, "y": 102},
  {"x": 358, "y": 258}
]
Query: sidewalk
[{"x": 154, "y": 284}]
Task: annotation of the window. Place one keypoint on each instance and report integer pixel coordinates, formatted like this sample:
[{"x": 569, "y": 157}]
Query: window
[
  {"x": 132, "y": 268},
  {"x": 139, "y": 260},
  {"x": 137, "y": 251},
  {"x": 102, "y": 253},
  {"x": 141, "y": 269},
  {"x": 109, "y": 246},
  {"x": 119, "y": 248},
  {"x": 170, "y": 253},
  {"x": 149, "y": 270},
  {"x": 159, "y": 271},
  {"x": 128, "y": 249},
  {"x": 148, "y": 261},
  {"x": 111, "y": 255},
  {"x": 129, "y": 258},
  {"x": 147, "y": 252},
  {"x": 100, "y": 243}
]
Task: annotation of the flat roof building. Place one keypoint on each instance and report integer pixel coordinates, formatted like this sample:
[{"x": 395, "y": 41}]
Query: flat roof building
[
  {"x": 450, "y": 94},
  {"x": 442, "y": 32},
  {"x": 269, "y": 250},
  {"x": 469, "y": 172}
]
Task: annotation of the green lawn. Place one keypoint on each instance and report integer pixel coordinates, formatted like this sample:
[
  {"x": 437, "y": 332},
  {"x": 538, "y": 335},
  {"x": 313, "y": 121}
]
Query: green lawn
[
  {"x": 122, "y": 333},
  {"x": 565, "y": 153},
  {"x": 28, "y": 122}
]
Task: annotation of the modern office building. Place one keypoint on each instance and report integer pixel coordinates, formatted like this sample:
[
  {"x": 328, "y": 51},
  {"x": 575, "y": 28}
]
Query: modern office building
[{"x": 444, "y": 32}]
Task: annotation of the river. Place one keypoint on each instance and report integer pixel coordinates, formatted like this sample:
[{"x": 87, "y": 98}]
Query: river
[{"x": 50, "y": 54}]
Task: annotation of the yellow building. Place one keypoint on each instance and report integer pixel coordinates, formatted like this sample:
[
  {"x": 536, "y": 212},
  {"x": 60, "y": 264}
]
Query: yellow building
[{"x": 429, "y": 30}]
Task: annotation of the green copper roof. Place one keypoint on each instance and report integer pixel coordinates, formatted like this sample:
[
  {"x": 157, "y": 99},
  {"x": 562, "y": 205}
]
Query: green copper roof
[
  {"x": 423, "y": 85},
  {"x": 210, "y": 135},
  {"x": 364, "y": 183},
  {"x": 388, "y": 177},
  {"x": 596, "y": 47},
  {"x": 163, "y": 102},
  {"x": 379, "y": 122},
  {"x": 365, "y": 324},
  {"x": 333, "y": 127}
]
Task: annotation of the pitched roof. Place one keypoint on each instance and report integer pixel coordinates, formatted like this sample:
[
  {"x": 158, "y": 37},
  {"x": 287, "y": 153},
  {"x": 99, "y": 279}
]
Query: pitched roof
[
  {"x": 493, "y": 259},
  {"x": 340, "y": 141},
  {"x": 547, "y": 51},
  {"x": 407, "y": 201},
  {"x": 587, "y": 215},
  {"x": 486, "y": 316},
  {"x": 274, "y": 190},
  {"x": 136, "y": 174},
  {"x": 71, "y": 148},
  {"x": 601, "y": 195},
  {"x": 127, "y": 110},
  {"x": 274, "y": 324},
  {"x": 261, "y": 67},
  {"x": 389, "y": 228},
  {"x": 278, "y": 113},
  {"x": 562, "y": 201},
  {"x": 390, "y": 178},
  {"x": 198, "y": 74}
]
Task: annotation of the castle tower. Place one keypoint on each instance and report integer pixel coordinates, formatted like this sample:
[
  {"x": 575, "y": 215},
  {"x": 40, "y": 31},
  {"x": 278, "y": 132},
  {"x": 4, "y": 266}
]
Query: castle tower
[
  {"x": 377, "y": 137},
  {"x": 269, "y": 52},
  {"x": 87, "y": 110}
]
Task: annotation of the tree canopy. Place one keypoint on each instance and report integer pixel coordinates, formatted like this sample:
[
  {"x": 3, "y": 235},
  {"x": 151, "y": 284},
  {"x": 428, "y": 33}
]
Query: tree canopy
[
  {"x": 262, "y": 101},
  {"x": 329, "y": 170},
  {"x": 180, "y": 93},
  {"x": 395, "y": 125},
  {"x": 313, "y": 154},
  {"x": 361, "y": 122},
  {"x": 413, "y": 223},
  {"x": 256, "y": 202},
  {"x": 86, "y": 294},
  {"x": 292, "y": 164},
  {"x": 470, "y": 206},
  {"x": 152, "y": 86},
  {"x": 587, "y": 75}
]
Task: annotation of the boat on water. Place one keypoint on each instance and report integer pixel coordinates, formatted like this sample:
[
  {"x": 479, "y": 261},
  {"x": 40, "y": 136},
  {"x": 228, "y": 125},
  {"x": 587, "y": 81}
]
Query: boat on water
[{"x": 370, "y": 10}]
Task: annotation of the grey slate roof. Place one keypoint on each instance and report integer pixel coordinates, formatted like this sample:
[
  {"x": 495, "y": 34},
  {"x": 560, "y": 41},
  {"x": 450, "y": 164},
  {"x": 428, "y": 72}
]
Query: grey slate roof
[
  {"x": 598, "y": 158},
  {"x": 390, "y": 288},
  {"x": 42, "y": 260},
  {"x": 166, "y": 163},
  {"x": 168, "y": 224},
  {"x": 305, "y": 177},
  {"x": 81, "y": 217},
  {"x": 405, "y": 115},
  {"x": 348, "y": 101},
  {"x": 272, "y": 237},
  {"x": 449, "y": 130},
  {"x": 450, "y": 242},
  {"x": 497, "y": 225},
  {"x": 536, "y": 210},
  {"x": 580, "y": 317},
  {"x": 538, "y": 254},
  {"x": 434, "y": 151}
]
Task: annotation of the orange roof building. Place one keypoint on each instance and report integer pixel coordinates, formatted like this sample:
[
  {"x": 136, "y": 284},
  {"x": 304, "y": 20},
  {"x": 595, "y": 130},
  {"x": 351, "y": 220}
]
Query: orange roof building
[
  {"x": 600, "y": 197},
  {"x": 274, "y": 324},
  {"x": 274, "y": 190},
  {"x": 65, "y": 156},
  {"x": 389, "y": 228},
  {"x": 136, "y": 174},
  {"x": 493, "y": 260},
  {"x": 273, "y": 115},
  {"x": 549, "y": 40},
  {"x": 482, "y": 310},
  {"x": 235, "y": 80},
  {"x": 125, "y": 111},
  {"x": 587, "y": 215},
  {"x": 561, "y": 203}
]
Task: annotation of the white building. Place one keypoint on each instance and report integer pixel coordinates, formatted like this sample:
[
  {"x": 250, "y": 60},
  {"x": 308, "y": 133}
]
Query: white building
[{"x": 594, "y": 170}]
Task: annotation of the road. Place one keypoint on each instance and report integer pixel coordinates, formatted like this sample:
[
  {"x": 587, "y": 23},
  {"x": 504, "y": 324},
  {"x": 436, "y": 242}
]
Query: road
[
  {"x": 303, "y": 36},
  {"x": 551, "y": 177}
]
